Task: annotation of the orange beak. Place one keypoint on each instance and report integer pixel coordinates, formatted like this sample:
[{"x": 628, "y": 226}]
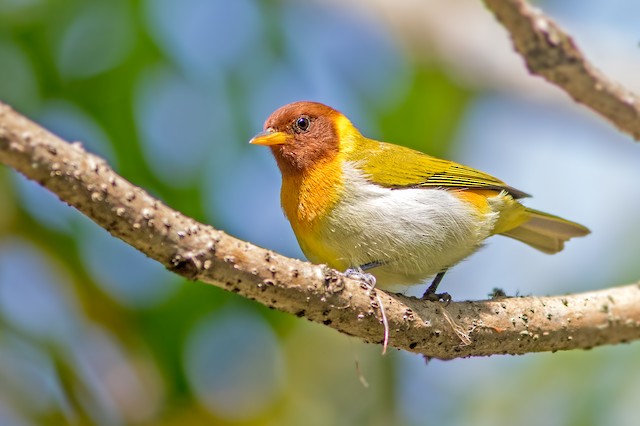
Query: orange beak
[{"x": 270, "y": 137}]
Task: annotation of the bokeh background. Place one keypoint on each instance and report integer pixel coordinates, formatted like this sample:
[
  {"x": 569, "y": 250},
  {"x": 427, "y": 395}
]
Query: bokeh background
[{"x": 170, "y": 91}]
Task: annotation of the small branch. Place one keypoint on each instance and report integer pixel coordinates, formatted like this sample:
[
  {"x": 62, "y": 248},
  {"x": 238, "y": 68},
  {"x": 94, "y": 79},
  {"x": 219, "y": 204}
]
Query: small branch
[
  {"x": 549, "y": 52},
  {"x": 322, "y": 295}
]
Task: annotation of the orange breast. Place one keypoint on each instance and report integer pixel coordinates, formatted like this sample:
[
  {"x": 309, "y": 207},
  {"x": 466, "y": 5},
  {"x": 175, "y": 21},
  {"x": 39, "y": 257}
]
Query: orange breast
[{"x": 308, "y": 197}]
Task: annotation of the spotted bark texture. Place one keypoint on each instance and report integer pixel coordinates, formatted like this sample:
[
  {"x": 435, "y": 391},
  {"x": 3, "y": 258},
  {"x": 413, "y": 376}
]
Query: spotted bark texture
[{"x": 199, "y": 252}]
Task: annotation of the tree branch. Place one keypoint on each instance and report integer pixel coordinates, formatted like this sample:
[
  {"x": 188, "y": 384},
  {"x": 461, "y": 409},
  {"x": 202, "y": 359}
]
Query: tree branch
[
  {"x": 461, "y": 329},
  {"x": 551, "y": 53},
  {"x": 198, "y": 251}
]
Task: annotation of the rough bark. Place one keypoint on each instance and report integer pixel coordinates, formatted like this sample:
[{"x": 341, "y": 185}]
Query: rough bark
[
  {"x": 200, "y": 252},
  {"x": 550, "y": 52}
]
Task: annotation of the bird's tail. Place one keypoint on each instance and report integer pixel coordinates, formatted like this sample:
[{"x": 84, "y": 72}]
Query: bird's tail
[{"x": 546, "y": 232}]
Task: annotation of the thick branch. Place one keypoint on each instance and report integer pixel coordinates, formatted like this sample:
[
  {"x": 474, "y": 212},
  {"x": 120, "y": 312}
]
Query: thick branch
[
  {"x": 549, "y": 52},
  {"x": 197, "y": 251}
]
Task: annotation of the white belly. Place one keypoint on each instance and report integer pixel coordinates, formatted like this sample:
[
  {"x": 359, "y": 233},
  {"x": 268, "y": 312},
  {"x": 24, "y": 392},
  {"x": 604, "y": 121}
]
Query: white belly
[{"x": 414, "y": 233}]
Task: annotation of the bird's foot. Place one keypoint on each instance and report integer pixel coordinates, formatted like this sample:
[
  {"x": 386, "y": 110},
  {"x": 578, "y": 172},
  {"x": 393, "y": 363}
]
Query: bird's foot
[
  {"x": 431, "y": 294},
  {"x": 437, "y": 297},
  {"x": 357, "y": 274}
]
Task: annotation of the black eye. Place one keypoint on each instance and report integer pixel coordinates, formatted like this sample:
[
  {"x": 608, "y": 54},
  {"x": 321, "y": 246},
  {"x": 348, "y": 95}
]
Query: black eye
[{"x": 302, "y": 124}]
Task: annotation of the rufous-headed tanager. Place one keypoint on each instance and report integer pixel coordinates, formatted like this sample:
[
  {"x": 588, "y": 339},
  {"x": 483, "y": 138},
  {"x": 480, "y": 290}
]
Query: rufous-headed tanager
[{"x": 358, "y": 204}]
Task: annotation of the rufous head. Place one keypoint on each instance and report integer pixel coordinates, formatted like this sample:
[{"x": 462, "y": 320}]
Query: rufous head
[{"x": 300, "y": 135}]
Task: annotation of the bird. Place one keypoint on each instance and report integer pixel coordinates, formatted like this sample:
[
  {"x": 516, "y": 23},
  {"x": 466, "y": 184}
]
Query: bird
[{"x": 388, "y": 214}]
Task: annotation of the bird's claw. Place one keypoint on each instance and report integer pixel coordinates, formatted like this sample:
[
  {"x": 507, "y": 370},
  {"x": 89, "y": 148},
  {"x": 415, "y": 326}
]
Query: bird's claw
[
  {"x": 357, "y": 274},
  {"x": 437, "y": 297}
]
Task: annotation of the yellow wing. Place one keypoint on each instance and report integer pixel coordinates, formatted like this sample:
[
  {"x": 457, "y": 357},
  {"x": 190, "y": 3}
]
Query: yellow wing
[{"x": 394, "y": 166}]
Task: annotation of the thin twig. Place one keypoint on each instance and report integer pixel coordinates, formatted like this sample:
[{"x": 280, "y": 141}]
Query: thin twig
[{"x": 550, "y": 52}]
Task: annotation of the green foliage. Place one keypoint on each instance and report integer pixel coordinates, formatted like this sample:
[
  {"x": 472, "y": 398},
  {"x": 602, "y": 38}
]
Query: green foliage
[{"x": 426, "y": 119}]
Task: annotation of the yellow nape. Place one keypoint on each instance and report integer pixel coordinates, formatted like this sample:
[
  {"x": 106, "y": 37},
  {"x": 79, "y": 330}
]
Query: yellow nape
[{"x": 349, "y": 136}]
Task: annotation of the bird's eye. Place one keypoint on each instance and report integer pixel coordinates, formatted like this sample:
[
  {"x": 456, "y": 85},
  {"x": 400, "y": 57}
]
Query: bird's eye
[{"x": 302, "y": 124}]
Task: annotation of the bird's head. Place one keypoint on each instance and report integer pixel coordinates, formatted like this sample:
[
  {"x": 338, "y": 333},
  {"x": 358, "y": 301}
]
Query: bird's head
[{"x": 301, "y": 134}]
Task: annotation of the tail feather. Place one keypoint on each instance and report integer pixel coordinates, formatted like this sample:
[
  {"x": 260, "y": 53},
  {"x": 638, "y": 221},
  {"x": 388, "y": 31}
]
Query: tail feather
[{"x": 546, "y": 232}]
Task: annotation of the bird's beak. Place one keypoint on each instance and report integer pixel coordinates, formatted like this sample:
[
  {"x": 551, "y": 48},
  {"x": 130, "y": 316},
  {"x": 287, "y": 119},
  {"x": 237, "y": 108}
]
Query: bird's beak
[{"x": 270, "y": 137}]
